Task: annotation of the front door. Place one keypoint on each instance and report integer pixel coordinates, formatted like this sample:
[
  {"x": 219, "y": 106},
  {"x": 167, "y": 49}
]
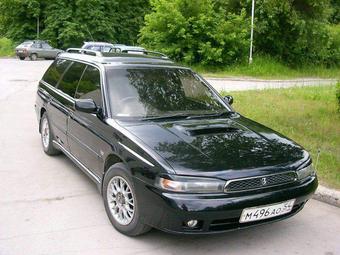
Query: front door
[{"x": 84, "y": 128}]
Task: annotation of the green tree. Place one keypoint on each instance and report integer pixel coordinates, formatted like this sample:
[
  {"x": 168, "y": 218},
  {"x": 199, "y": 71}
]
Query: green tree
[
  {"x": 335, "y": 17},
  {"x": 69, "y": 23},
  {"x": 195, "y": 32},
  {"x": 295, "y": 31},
  {"x": 18, "y": 19}
]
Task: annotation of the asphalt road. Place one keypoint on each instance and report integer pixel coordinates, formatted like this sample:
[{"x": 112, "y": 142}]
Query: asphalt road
[{"x": 48, "y": 206}]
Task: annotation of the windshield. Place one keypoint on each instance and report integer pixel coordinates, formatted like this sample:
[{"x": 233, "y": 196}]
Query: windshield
[
  {"x": 160, "y": 92},
  {"x": 25, "y": 44}
]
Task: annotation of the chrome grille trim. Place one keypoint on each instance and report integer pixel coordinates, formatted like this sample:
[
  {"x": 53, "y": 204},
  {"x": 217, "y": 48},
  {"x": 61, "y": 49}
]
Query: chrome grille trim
[{"x": 254, "y": 183}]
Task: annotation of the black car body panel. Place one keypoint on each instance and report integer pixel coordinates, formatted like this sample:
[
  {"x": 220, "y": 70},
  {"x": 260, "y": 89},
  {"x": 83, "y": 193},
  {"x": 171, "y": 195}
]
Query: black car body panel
[
  {"x": 225, "y": 147},
  {"x": 215, "y": 147}
]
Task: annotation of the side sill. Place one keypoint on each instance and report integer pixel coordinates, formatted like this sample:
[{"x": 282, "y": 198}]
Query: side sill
[{"x": 87, "y": 171}]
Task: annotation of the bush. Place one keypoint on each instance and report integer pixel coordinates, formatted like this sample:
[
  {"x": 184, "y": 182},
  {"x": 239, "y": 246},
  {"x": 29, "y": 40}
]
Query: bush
[
  {"x": 334, "y": 49},
  {"x": 295, "y": 31},
  {"x": 6, "y": 47},
  {"x": 195, "y": 32},
  {"x": 338, "y": 95}
]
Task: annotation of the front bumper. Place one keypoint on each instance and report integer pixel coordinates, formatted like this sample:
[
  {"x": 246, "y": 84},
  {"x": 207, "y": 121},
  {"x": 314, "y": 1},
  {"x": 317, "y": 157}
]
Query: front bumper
[
  {"x": 23, "y": 54},
  {"x": 215, "y": 213}
]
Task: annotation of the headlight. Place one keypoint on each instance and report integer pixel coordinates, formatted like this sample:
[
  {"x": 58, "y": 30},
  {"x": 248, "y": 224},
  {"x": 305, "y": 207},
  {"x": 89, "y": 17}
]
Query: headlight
[
  {"x": 190, "y": 184},
  {"x": 305, "y": 172}
]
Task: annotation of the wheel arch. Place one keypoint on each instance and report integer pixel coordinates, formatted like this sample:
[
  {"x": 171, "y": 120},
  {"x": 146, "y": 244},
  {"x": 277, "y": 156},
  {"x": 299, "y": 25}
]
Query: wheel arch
[
  {"x": 42, "y": 111},
  {"x": 111, "y": 160}
]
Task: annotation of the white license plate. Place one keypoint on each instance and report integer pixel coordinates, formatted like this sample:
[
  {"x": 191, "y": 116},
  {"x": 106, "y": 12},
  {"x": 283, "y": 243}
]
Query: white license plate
[
  {"x": 266, "y": 211},
  {"x": 20, "y": 51}
]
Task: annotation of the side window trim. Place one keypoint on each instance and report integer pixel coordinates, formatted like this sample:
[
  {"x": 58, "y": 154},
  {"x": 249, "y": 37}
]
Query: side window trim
[{"x": 103, "y": 82}]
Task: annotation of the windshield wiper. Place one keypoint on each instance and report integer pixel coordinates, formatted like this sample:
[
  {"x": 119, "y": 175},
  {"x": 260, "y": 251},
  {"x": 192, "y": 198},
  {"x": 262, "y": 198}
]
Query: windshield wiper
[
  {"x": 188, "y": 116},
  {"x": 217, "y": 114},
  {"x": 165, "y": 117}
]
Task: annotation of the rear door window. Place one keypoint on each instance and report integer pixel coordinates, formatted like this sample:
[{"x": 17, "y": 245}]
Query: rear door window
[
  {"x": 107, "y": 48},
  {"x": 55, "y": 71},
  {"x": 37, "y": 45},
  {"x": 89, "y": 86},
  {"x": 70, "y": 80}
]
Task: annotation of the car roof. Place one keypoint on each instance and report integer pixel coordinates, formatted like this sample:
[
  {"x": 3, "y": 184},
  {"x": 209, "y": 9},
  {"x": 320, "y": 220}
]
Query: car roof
[
  {"x": 98, "y": 43},
  {"x": 34, "y": 41},
  {"x": 118, "y": 59}
]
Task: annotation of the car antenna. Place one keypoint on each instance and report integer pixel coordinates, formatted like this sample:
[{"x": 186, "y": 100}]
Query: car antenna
[{"x": 89, "y": 32}]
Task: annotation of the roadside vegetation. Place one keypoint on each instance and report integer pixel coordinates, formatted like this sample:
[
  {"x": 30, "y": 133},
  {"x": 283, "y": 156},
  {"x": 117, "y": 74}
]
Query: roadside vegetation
[
  {"x": 291, "y": 38},
  {"x": 266, "y": 67},
  {"x": 308, "y": 115},
  {"x": 6, "y": 47}
]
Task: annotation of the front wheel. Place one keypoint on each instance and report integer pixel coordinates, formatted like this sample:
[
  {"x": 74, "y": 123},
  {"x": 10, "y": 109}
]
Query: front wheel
[
  {"x": 121, "y": 203},
  {"x": 47, "y": 136},
  {"x": 22, "y": 58}
]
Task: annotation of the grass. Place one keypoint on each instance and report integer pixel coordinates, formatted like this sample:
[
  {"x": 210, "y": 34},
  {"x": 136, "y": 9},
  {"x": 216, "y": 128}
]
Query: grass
[
  {"x": 308, "y": 115},
  {"x": 268, "y": 68},
  {"x": 6, "y": 47}
]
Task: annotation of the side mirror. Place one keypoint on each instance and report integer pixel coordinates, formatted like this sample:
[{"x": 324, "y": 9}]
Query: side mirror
[
  {"x": 86, "y": 105},
  {"x": 229, "y": 99}
]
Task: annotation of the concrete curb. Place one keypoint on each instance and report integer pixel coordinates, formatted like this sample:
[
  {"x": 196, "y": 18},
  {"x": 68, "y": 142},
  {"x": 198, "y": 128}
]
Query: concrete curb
[{"x": 327, "y": 195}]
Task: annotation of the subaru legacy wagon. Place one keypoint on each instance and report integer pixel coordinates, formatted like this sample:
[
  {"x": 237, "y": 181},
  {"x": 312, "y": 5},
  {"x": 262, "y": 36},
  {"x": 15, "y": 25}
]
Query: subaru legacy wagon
[{"x": 165, "y": 149}]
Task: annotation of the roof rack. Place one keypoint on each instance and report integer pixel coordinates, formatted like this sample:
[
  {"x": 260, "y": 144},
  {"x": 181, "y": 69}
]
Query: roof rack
[
  {"x": 84, "y": 51},
  {"x": 126, "y": 51},
  {"x": 147, "y": 52}
]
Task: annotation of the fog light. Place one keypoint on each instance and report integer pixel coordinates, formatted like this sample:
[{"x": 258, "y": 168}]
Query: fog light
[{"x": 192, "y": 223}]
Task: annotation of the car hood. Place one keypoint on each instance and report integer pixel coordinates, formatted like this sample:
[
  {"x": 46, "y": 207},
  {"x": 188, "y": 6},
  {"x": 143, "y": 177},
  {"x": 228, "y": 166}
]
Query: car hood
[{"x": 218, "y": 147}]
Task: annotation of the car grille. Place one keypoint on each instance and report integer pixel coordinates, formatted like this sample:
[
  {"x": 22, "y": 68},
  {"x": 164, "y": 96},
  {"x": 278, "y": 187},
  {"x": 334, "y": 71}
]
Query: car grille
[{"x": 260, "y": 182}]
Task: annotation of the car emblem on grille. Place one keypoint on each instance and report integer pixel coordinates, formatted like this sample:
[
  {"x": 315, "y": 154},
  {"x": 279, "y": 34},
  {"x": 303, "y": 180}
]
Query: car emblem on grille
[{"x": 264, "y": 181}]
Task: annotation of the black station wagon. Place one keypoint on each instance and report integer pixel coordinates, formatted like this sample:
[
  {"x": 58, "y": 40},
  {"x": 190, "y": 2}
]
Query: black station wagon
[{"x": 164, "y": 148}]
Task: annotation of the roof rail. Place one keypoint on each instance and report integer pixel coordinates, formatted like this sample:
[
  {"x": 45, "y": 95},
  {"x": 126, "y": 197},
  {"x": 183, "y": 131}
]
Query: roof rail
[
  {"x": 147, "y": 52},
  {"x": 84, "y": 51}
]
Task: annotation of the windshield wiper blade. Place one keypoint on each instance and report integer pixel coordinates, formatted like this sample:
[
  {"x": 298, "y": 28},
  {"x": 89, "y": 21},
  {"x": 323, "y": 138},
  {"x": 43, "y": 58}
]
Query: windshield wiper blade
[
  {"x": 165, "y": 117},
  {"x": 217, "y": 114}
]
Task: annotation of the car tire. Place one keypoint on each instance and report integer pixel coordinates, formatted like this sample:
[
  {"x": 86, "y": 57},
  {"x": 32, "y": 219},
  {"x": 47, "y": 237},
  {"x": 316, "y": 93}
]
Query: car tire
[
  {"x": 47, "y": 136},
  {"x": 128, "y": 222},
  {"x": 34, "y": 57},
  {"x": 22, "y": 58}
]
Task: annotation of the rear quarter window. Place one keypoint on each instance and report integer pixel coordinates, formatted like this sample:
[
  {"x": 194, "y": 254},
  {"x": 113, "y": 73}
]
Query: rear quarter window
[{"x": 55, "y": 71}]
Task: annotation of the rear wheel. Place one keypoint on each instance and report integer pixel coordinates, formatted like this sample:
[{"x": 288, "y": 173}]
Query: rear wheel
[
  {"x": 121, "y": 203},
  {"x": 34, "y": 57},
  {"x": 47, "y": 136}
]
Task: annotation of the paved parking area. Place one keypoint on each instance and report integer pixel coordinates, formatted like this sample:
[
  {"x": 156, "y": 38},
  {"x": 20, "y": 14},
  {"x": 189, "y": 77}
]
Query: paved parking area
[{"x": 48, "y": 206}]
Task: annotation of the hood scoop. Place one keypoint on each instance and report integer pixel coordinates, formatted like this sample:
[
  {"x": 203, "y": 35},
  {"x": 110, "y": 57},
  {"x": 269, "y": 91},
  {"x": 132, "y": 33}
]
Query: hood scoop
[{"x": 206, "y": 129}]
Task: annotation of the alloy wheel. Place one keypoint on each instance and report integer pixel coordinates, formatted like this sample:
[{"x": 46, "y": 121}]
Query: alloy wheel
[{"x": 121, "y": 200}]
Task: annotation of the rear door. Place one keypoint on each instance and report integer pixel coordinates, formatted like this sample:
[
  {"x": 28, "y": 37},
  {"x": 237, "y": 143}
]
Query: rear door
[
  {"x": 48, "y": 51},
  {"x": 56, "y": 112},
  {"x": 84, "y": 129},
  {"x": 37, "y": 49}
]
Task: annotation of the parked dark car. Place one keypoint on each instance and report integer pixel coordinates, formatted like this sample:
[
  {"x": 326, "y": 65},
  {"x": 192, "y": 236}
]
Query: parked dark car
[
  {"x": 36, "y": 49},
  {"x": 165, "y": 149}
]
